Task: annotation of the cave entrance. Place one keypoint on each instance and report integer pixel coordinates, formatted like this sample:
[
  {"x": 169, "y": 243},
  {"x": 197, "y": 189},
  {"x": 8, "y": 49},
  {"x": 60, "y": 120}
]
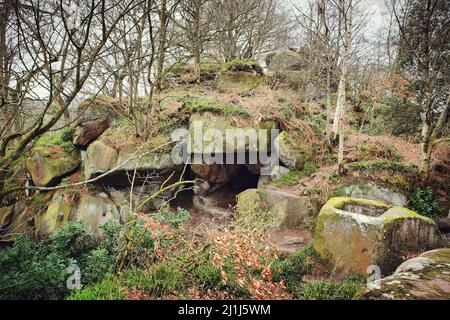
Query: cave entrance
[{"x": 221, "y": 199}]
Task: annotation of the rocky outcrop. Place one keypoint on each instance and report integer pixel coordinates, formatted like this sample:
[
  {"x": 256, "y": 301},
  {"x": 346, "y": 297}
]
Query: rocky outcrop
[
  {"x": 208, "y": 135},
  {"x": 216, "y": 173},
  {"x": 283, "y": 61},
  {"x": 239, "y": 76},
  {"x": 48, "y": 165},
  {"x": 93, "y": 210},
  {"x": 290, "y": 210},
  {"x": 354, "y": 234},
  {"x": 101, "y": 158},
  {"x": 237, "y": 81},
  {"x": 275, "y": 174},
  {"x": 90, "y": 131},
  {"x": 372, "y": 191},
  {"x": 426, "y": 277},
  {"x": 286, "y": 70},
  {"x": 290, "y": 156}
]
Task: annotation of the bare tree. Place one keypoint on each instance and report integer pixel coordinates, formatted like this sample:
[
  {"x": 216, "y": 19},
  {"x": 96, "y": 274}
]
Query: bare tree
[{"x": 424, "y": 59}]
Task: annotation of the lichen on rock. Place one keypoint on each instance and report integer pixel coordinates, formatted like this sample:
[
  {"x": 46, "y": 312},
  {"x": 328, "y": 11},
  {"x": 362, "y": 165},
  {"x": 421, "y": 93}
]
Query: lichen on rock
[{"x": 353, "y": 241}]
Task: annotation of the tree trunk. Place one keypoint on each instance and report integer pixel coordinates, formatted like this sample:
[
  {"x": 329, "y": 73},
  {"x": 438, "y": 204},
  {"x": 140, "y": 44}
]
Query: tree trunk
[{"x": 163, "y": 18}]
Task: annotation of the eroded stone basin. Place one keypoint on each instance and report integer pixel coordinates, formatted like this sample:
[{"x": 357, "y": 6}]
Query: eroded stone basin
[
  {"x": 364, "y": 209},
  {"x": 354, "y": 234}
]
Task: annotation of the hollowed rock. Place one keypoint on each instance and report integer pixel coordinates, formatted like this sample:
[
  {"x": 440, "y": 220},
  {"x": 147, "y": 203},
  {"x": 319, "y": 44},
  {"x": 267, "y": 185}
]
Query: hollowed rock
[{"x": 354, "y": 234}]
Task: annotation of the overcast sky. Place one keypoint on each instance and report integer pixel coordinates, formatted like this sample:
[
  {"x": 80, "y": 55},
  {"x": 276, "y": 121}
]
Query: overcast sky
[{"x": 376, "y": 8}]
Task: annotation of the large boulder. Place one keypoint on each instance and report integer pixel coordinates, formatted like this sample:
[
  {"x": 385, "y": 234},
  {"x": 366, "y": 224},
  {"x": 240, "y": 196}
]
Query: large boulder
[
  {"x": 208, "y": 135},
  {"x": 354, "y": 234},
  {"x": 90, "y": 131},
  {"x": 237, "y": 81},
  {"x": 426, "y": 277},
  {"x": 93, "y": 210},
  {"x": 286, "y": 69},
  {"x": 102, "y": 158},
  {"x": 216, "y": 173},
  {"x": 372, "y": 191},
  {"x": 290, "y": 210},
  {"x": 59, "y": 211},
  {"x": 283, "y": 61},
  {"x": 49, "y": 164},
  {"x": 290, "y": 154},
  {"x": 239, "y": 77}
]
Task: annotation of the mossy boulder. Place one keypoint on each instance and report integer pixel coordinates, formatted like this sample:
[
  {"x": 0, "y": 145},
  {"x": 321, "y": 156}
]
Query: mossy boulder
[
  {"x": 239, "y": 77},
  {"x": 208, "y": 134},
  {"x": 58, "y": 212},
  {"x": 290, "y": 210},
  {"x": 426, "y": 277},
  {"x": 237, "y": 82},
  {"x": 101, "y": 158},
  {"x": 93, "y": 210},
  {"x": 372, "y": 191},
  {"x": 49, "y": 164},
  {"x": 354, "y": 234},
  {"x": 292, "y": 152},
  {"x": 284, "y": 60}
]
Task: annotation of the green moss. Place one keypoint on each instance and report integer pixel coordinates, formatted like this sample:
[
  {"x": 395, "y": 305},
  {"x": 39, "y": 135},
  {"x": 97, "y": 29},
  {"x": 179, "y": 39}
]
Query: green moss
[
  {"x": 199, "y": 104},
  {"x": 63, "y": 140}
]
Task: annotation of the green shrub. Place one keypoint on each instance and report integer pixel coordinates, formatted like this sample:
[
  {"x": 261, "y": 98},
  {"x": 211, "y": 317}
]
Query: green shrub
[
  {"x": 292, "y": 269},
  {"x": 423, "y": 202},
  {"x": 175, "y": 219},
  {"x": 208, "y": 275},
  {"x": 40, "y": 270}
]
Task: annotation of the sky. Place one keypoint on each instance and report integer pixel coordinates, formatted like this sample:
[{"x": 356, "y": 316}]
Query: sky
[{"x": 376, "y": 8}]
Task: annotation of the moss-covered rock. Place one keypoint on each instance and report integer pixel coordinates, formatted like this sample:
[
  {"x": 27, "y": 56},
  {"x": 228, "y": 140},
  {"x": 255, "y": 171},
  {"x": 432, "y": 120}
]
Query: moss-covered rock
[
  {"x": 217, "y": 135},
  {"x": 49, "y": 164},
  {"x": 372, "y": 191},
  {"x": 101, "y": 158},
  {"x": 93, "y": 210},
  {"x": 293, "y": 154},
  {"x": 284, "y": 60},
  {"x": 238, "y": 82},
  {"x": 290, "y": 210},
  {"x": 426, "y": 277},
  {"x": 58, "y": 212},
  {"x": 354, "y": 234}
]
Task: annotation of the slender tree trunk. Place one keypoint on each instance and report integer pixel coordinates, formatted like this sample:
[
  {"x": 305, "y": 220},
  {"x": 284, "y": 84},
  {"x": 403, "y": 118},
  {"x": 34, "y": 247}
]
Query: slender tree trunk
[
  {"x": 163, "y": 18},
  {"x": 341, "y": 100}
]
